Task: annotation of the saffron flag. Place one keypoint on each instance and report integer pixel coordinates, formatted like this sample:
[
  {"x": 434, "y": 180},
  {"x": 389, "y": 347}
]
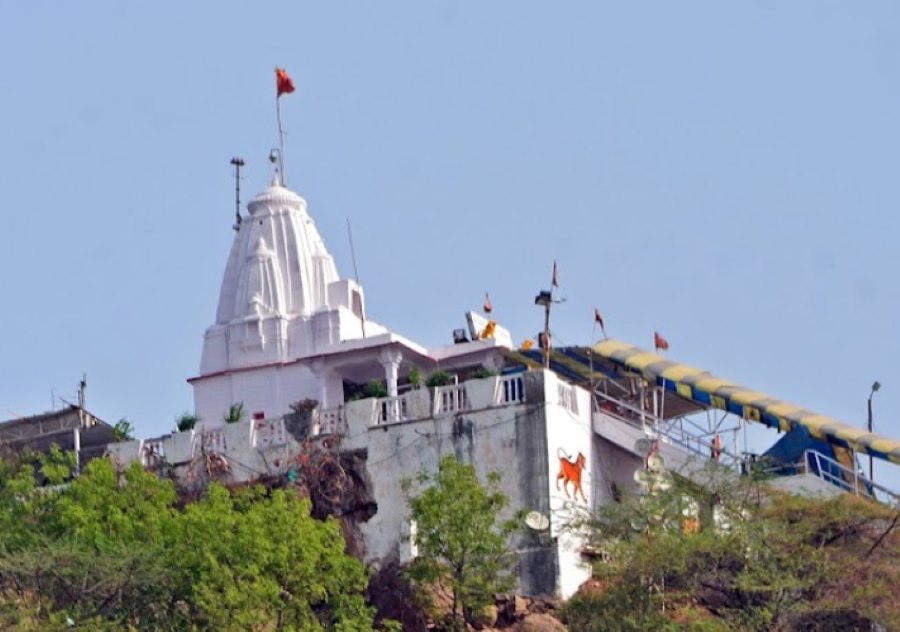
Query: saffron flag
[
  {"x": 488, "y": 307},
  {"x": 283, "y": 83},
  {"x": 553, "y": 281},
  {"x": 659, "y": 342},
  {"x": 598, "y": 318}
]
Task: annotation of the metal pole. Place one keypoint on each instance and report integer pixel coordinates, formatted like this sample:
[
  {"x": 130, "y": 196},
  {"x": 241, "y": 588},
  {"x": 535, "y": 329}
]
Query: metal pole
[
  {"x": 547, "y": 335},
  {"x": 871, "y": 460},
  {"x": 875, "y": 386}
]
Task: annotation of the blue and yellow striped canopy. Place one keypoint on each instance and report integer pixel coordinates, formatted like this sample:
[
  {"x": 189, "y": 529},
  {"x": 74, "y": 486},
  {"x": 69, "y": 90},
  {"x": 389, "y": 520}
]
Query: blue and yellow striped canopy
[{"x": 705, "y": 388}]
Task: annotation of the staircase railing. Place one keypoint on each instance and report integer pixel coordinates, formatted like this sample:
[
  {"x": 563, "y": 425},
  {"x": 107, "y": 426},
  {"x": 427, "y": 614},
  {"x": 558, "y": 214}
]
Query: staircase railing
[{"x": 843, "y": 477}]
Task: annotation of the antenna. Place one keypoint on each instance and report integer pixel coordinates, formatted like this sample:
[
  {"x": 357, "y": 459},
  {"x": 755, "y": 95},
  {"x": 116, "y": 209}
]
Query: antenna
[
  {"x": 362, "y": 308},
  {"x": 238, "y": 163},
  {"x": 82, "y": 386}
]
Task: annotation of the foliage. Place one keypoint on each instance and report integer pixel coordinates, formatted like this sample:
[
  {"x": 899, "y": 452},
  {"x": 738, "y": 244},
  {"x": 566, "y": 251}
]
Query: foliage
[
  {"x": 304, "y": 405},
  {"x": 756, "y": 559},
  {"x": 114, "y": 551},
  {"x": 483, "y": 371},
  {"x": 186, "y": 422},
  {"x": 415, "y": 377},
  {"x": 375, "y": 388},
  {"x": 235, "y": 413},
  {"x": 461, "y": 540},
  {"x": 264, "y": 559},
  {"x": 439, "y": 378},
  {"x": 123, "y": 430}
]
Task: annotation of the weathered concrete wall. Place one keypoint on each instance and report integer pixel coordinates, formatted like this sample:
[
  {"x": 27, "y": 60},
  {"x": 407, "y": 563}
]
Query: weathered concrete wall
[{"x": 486, "y": 438}]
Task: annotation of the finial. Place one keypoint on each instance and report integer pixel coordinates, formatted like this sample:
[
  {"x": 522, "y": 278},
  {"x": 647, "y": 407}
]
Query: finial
[{"x": 275, "y": 159}]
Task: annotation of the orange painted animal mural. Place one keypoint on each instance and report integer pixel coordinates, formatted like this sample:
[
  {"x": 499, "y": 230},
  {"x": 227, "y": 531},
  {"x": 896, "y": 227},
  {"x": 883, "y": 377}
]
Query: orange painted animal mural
[{"x": 570, "y": 472}]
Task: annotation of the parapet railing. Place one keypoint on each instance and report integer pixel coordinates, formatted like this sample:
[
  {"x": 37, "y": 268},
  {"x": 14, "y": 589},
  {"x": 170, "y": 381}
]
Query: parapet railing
[
  {"x": 701, "y": 444},
  {"x": 445, "y": 400},
  {"x": 328, "y": 421},
  {"x": 449, "y": 399},
  {"x": 391, "y": 409},
  {"x": 847, "y": 479}
]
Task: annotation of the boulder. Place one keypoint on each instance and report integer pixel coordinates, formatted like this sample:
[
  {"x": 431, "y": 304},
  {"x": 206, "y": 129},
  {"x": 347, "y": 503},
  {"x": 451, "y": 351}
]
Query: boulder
[{"x": 541, "y": 622}]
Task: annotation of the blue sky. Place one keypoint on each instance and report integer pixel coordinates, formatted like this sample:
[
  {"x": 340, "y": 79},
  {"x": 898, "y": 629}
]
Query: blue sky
[{"x": 725, "y": 173}]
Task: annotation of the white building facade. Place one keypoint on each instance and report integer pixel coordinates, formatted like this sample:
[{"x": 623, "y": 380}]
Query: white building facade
[{"x": 290, "y": 333}]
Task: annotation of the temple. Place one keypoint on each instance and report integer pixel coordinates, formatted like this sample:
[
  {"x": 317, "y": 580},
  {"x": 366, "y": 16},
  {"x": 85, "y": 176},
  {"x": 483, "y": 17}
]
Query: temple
[
  {"x": 297, "y": 386},
  {"x": 288, "y": 328}
]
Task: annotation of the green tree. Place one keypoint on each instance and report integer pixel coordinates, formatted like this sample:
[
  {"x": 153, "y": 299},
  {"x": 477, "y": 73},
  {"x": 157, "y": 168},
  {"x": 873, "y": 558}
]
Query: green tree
[
  {"x": 254, "y": 560},
  {"x": 462, "y": 542},
  {"x": 113, "y": 550}
]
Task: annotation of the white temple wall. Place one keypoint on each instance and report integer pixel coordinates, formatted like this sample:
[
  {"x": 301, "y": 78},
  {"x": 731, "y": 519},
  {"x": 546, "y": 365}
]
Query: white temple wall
[
  {"x": 269, "y": 390},
  {"x": 571, "y": 456}
]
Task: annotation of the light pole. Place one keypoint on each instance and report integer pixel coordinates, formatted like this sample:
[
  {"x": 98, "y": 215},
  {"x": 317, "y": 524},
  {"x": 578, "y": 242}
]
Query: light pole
[{"x": 875, "y": 386}]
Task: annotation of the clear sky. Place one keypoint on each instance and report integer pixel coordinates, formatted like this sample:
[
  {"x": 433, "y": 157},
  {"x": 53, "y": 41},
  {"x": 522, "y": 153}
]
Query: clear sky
[{"x": 723, "y": 172}]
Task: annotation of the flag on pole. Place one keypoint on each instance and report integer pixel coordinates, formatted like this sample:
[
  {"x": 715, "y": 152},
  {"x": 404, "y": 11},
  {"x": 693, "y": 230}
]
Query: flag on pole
[
  {"x": 283, "y": 83},
  {"x": 659, "y": 342},
  {"x": 488, "y": 307},
  {"x": 553, "y": 281},
  {"x": 598, "y": 318}
]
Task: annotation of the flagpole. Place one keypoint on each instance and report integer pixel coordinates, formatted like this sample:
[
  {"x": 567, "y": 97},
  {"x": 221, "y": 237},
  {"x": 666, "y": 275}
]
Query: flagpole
[{"x": 280, "y": 138}]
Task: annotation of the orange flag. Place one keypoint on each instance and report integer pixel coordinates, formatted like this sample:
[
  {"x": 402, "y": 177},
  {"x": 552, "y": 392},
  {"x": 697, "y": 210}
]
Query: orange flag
[
  {"x": 283, "y": 83},
  {"x": 659, "y": 342}
]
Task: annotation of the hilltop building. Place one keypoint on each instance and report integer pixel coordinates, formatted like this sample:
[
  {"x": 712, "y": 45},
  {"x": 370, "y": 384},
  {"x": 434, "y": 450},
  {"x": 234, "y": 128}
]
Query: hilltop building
[
  {"x": 292, "y": 343},
  {"x": 71, "y": 429}
]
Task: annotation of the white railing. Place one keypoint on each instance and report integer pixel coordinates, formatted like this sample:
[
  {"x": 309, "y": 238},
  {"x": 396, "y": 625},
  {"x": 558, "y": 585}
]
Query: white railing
[
  {"x": 567, "y": 397},
  {"x": 450, "y": 399},
  {"x": 390, "y": 410},
  {"x": 700, "y": 443},
  {"x": 268, "y": 433},
  {"x": 849, "y": 480},
  {"x": 510, "y": 390},
  {"x": 328, "y": 421},
  {"x": 212, "y": 441}
]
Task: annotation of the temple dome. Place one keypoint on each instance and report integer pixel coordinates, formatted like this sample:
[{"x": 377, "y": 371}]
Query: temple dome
[
  {"x": 275, "y": 195},
  {"x": 281, "y": 236}
]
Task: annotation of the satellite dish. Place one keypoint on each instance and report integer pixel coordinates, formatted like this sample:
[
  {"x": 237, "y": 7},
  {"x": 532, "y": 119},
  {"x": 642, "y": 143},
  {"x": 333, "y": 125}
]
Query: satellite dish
[
  {"x": 537, "y": 521},
  {"x": 655, "y": 463},
  {"x": 643, "y": 445}
]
